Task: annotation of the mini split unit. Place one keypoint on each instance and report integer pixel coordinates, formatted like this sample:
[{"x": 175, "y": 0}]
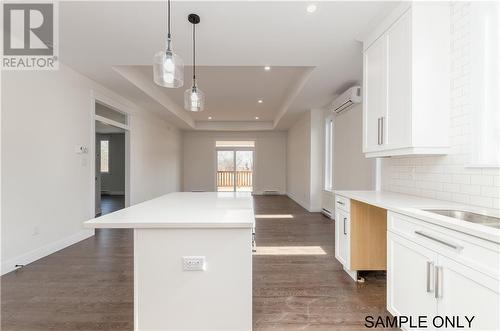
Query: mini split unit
[{"x": 347, "y": 99}]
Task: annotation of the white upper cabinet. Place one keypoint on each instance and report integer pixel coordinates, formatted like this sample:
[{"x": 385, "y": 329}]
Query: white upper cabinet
[
  {"x": 407, "y": 82},
  {"x": 374, "y": 97}
]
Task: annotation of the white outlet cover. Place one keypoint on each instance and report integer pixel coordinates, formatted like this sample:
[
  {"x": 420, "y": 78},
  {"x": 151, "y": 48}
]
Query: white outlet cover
[{"x": 193, "y": 263}]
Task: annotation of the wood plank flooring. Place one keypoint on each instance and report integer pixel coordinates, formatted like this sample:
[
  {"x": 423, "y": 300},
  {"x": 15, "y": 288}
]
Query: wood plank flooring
[{"x": 297, "y": 283}]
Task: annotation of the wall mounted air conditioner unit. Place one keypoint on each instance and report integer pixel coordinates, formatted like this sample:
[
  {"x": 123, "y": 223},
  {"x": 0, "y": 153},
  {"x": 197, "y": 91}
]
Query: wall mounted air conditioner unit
[{"x": 347, "y": 99}]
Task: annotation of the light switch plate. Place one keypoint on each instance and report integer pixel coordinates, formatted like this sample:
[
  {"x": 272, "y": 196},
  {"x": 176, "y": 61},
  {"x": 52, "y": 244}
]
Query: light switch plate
[{"x": 193, "y": 263}]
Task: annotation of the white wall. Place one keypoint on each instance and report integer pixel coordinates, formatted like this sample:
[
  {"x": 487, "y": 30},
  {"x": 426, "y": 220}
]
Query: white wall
[
  {"x": 317, "y": 159},
  {"x": 156, "y": 158},
  {"x": 447, "y": 177},
  {"x": 199, "y": 159},
  {"x": 351, "y": 170},
  {"x": 298, "y": 182},
  {"x": 46, "y": 185},
  {"x": 305, "y": 154}
]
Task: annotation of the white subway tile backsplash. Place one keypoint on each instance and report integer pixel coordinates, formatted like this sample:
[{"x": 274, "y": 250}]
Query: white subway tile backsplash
[
  {"x": 448, "y": 177},
  {"x": 482, "y": 180},
  {"x": 490, "y": 191},
  {"x": 470, "y": 189},
  {"x": 481, "y": 201},
  {"x": 461, "y": 179}
]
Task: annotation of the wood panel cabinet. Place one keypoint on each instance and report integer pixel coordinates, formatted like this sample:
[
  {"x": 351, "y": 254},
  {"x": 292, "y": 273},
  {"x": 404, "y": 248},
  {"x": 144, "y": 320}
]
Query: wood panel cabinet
[
  {"x": 360, "y": 236},
  {"x": 406, "y": 82}
]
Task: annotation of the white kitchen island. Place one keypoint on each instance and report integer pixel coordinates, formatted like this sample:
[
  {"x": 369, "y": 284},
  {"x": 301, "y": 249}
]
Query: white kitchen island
[{"x": 171, "y": 234}]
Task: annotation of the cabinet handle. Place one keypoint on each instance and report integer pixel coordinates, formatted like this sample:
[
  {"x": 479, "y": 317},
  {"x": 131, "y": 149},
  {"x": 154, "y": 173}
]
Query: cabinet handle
[
  {"x": 430, "y": 266},
  {"x": 340, "y": 203},
  {"x": 345, "y": 219},
  {"x": 382, "y": 130},
  {"x": 436, "y": 282},
  {"x": 425, "y": 235},
  {"x": 378, "y": 131}
]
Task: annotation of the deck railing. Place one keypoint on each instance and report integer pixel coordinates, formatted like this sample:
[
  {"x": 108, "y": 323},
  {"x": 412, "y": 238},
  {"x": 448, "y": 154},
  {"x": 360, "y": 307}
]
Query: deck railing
[{"x": 226, "y": 178}]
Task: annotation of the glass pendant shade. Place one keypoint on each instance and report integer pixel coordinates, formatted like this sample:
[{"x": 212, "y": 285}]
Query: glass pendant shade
[
  {"x": 194, "y": 99},
  {"x": 168, "y": 69}
]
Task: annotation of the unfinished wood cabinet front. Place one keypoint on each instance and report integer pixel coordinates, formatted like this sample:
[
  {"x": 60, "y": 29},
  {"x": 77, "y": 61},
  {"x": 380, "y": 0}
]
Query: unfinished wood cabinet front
[{"x": 368, "y": 237}]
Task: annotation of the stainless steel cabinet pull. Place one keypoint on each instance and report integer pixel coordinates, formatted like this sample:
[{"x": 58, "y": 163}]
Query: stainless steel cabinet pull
[
  {"x": 340, "y": 203},
  {"x": 437, "y": 274},
  {"x": 430, "y": 266},
  {"x": 382, "y": 130},
  {"x": 378, "y": 131},
  {"x": 454, "y": 246},
  {"x": 345, "y": 219}
]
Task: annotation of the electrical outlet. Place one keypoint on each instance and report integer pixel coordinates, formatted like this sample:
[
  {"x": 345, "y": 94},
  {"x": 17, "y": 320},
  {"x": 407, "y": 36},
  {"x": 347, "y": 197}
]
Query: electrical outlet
[
  {"x": 36, "y": 230},
  {"x": 193, "y": 263}
]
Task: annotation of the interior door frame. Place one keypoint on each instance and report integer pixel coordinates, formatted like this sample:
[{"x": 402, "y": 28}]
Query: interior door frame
[
  {"x": 97, "y": 97},
  {"x": 234, "y": 150}
]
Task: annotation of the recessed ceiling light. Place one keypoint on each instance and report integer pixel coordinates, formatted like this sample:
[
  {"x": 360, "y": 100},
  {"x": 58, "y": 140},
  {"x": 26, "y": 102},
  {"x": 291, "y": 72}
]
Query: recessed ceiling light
[
  {"x": 209, "y": 117},
  {"x": 256, "y": 117},
  {"x": 260, "y": 101},
  {"x": 267, "y": 68},
  {"x": 311, "y": 8}
]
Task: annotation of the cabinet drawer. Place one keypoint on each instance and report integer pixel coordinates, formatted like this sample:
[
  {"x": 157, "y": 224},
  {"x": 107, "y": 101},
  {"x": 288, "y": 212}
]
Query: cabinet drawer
[
  {"x": 481, "y": 255},
  {"x": 342, "y": 203}
]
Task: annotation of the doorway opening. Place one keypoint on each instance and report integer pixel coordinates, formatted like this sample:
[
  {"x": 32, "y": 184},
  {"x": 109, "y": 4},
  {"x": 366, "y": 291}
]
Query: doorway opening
[
  {"x": 235, "y": 166},
  {"x": 111, "y": 155}
]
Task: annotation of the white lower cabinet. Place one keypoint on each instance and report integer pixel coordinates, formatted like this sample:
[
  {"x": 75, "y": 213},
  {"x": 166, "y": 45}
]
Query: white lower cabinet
[
  {"x": 437, "y": 282},
  {"x": 466, "y": 292},
  {"x": 410, "y": 270},
  {"x": 342, "y": 238}
]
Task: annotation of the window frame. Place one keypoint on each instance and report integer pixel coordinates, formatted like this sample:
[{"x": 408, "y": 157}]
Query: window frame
[{"x": 328, "y": 159}]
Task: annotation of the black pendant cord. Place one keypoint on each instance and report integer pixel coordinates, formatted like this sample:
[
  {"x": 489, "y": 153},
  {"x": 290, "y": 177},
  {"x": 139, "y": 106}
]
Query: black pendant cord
[
  {"x": 168, "y": 19},
  {"x": 194, "y": 54}
]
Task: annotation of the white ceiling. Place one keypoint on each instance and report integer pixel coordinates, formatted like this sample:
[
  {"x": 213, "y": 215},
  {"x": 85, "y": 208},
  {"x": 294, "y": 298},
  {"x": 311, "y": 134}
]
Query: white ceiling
[{"x": 313, "y": 57}]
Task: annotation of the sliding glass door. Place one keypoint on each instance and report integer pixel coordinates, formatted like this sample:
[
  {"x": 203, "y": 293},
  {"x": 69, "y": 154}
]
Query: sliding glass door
[{"x": 234, "y": 170}]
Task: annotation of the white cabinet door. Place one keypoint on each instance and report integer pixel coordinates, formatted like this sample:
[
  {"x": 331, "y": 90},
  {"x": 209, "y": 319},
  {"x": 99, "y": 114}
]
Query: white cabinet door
[
  {"x": 396, "y": 128},
  {"x": 374, "y": 95},
  {"x": 410, "y": 278},
  {"x": 342, "y": 241},
  {"x": 463, "y": 291}
]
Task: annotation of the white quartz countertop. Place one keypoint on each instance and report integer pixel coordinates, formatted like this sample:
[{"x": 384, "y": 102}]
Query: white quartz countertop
[
  {"x": 412, "y": 206},
  {"x": 183, "y": 210}
]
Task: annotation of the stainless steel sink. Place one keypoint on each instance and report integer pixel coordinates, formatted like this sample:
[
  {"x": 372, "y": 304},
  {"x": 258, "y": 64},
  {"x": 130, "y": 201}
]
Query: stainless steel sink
[{"x": 468, "y": 217}]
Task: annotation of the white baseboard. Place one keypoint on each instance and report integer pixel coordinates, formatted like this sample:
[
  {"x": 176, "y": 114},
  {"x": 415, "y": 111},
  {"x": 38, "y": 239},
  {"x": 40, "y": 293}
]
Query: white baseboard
[{"x": 38, "y": 253}]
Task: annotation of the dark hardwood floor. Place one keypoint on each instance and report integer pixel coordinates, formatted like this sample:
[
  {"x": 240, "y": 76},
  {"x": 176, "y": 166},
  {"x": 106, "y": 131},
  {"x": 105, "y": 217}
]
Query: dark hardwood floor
[
  {"x": 303, "y": 286},
  {"x": 111, "y": 203},
  {"x": 297, "y": 283}
]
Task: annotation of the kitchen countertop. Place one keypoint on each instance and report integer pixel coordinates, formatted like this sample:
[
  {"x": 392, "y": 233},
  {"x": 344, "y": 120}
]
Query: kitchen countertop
[
  {"x": 183, "y": 210},
  {"x": 412, "y": 206}
]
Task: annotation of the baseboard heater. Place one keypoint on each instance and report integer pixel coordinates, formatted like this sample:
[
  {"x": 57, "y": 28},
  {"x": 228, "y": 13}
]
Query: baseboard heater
[
  {"x": 270, "y": 192},
  {"x": 326, "y": 212}
]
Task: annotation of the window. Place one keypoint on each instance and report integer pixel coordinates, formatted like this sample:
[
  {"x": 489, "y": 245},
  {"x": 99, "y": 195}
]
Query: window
[
  {"x": 328, "y": 175},
  {"x": 105, "y": 156},
  {"x": 485, "y": 84}
]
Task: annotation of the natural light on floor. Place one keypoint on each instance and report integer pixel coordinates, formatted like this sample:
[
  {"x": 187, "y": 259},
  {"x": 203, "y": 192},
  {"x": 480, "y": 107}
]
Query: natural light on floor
[
  {"x": 274, "y": 216},
  {"x": 289, "y": 250}
]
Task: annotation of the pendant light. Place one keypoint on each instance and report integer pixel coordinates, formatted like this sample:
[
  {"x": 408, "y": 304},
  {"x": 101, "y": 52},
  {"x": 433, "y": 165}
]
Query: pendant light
[
  {"x": 168, "y": 67},
  {"x": 194, "y": 98}
]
